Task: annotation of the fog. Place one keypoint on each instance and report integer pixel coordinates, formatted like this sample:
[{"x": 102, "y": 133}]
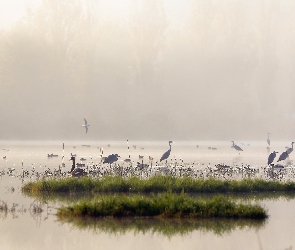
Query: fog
[{"x": 149, "y": 70}]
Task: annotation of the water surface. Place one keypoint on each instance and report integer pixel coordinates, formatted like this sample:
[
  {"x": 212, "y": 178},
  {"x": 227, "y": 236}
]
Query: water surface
[{"x": 23, "y": 227}]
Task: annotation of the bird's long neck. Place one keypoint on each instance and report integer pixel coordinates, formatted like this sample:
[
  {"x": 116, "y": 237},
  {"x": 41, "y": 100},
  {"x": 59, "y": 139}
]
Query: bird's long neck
[
  {"x": 170, "y": 146},
  {"x": 73, "y": 165}
]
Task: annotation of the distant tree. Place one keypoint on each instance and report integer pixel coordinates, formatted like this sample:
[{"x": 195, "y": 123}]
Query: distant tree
[{"x": 147, "y": 26}]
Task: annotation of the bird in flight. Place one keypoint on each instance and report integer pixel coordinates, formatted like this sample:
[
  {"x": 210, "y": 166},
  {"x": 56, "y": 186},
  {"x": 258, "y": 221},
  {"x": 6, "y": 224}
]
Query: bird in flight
[{"x": 85, "y": 125}]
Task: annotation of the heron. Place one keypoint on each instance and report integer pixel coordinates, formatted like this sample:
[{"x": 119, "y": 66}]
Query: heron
[
  {"x": 167, "y": 153},
  {"x": 268, "y": 140},
  {"x": 271, "y": 157},
  {"x": 290, "y": 150},
  {"x": 76, "y": 172},
  {"x": 85, "y": 125},
  {"x": 236, "y": 147},
  {"x": 111, "y": 158},
  {"x": 283, "y": 156}
]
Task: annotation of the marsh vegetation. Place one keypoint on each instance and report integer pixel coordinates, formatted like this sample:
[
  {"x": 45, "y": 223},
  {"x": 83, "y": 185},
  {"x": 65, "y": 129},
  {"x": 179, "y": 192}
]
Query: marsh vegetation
[
  {"x": 156, "y": 184},
  {"x": 166, "y": 205}
]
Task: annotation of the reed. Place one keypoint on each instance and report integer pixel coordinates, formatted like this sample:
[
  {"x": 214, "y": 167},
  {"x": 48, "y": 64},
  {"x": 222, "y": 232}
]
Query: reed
[
  {"x": 156, "y": 184},
  {"x": 166, "y": 205}
]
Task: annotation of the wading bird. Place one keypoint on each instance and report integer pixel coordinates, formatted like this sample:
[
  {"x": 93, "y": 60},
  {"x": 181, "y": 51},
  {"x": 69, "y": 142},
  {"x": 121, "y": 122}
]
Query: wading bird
[
  {"x": 76, "y": 172},
  {"x": 85, "y": 125},
  {"x": 290, "y": 150},
  {"x": 271, "y": 157},
  {"x": 283, "y": 156},
  {"x": 167, "y": 153},
  {"x": 236, "y": 147},
  {"x": 111, "y": 158},
  {"x": 268, "y": 140}
]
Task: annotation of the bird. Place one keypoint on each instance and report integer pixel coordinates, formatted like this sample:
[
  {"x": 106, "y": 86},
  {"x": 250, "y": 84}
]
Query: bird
[
  {"x": 271, "y": 157},
  {"x": 76, "y": 172},
  {"x": 236, "y": 146},
  {"x": 111, "y": 158},
  {"x": 268, "y": 140},
  {"x": 283, "y": 156},
  {"x": 85, "y": 125},
  {"x": 167, "y": 153},
  {"x": 290, "y": 150}
]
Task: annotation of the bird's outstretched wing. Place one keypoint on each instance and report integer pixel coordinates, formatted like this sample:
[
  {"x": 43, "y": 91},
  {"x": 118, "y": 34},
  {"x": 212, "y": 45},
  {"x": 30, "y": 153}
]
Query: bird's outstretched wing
[
  {"x": 85, "y": 121},
  {"x": 86, "y": 129}
]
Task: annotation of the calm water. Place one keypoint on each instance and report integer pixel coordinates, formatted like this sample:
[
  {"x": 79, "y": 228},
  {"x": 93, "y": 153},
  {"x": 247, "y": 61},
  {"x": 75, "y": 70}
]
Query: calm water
[{"x": 22, "y": 227}]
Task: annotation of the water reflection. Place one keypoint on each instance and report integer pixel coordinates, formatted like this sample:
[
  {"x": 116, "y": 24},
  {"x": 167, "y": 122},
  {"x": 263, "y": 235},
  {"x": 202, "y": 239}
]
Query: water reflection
[
  {"x": 38, "y": 210},
  {"x": 165, "y": 227},
  {"x": 45, "y": 205}
]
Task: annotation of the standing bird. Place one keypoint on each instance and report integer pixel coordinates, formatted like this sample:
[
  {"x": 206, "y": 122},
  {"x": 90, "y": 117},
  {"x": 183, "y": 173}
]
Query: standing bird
[
  {"x": 167, "y": 153},
  {"x": 271, "y": 157},
  {"x": 128, "y": 159},
  {"x": 76, "y": 172},
  {"x": 85, "y": 125},
  {"x": 290, "y": 150},
  {"x": 283, "y": 156},
  {"x": 236, "y": 147},
  {"x": 111, "y": 158},
  {"x": 268, "y": 140}
]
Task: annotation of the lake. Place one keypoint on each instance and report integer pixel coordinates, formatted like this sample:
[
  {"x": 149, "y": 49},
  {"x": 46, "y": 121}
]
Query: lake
[{"x": 28, "y": 224}]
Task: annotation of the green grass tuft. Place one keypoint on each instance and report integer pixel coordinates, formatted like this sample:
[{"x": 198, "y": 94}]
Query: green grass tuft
[
  {"x": 167, "y": 205},
  {"x": 157, "y": 184}
]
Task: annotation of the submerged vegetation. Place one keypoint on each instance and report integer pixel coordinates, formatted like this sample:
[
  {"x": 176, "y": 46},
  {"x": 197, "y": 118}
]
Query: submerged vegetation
[
  {"x": 156, "y": 184},
  {"x": 166, "y": 205}
]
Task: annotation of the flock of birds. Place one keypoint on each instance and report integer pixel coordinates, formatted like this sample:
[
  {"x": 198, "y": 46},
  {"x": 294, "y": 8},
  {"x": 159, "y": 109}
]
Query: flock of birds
[
  {"x": 114, "y": 157},
  {"x": 283, "y": 156},
  {"x": 78, "y": 169}
]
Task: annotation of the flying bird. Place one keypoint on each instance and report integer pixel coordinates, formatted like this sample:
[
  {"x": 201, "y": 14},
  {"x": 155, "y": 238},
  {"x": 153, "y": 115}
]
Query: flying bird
[
  {"x": 236, "y": 147},
  {"x": 271, "y": 157},
  {"x": 167, "y": 153},
  {"x": 85, "y": 125}
]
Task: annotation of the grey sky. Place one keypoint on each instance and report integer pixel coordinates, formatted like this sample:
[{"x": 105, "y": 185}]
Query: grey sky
[{"x": 152, "y": 70}]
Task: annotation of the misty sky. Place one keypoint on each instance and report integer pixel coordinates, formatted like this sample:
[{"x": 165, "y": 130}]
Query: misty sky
[{"x": 147, "y": 70}]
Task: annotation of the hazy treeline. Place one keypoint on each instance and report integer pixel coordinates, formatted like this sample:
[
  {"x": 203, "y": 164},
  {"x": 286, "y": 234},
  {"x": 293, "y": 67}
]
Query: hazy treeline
[{"x": 224, "y": 72}]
